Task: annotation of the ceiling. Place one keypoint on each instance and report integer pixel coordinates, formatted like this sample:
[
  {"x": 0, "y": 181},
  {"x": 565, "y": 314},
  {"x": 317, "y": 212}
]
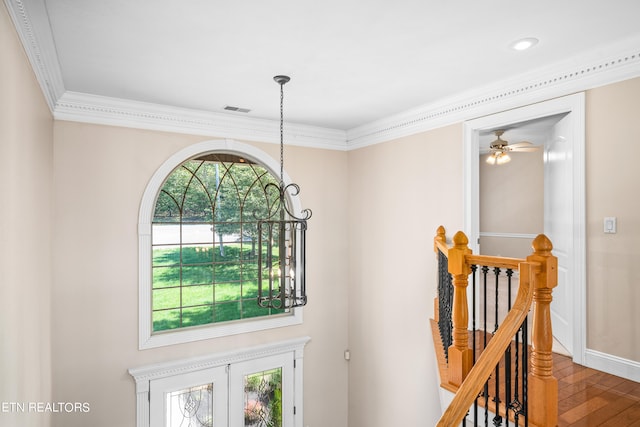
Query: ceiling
[
  {"x": 351, "y": 62},
  {"x": 536, "y": 131}
]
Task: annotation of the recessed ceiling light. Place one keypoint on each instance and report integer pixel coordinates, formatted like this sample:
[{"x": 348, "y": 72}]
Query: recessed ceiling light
[{"x": 524, "y": 44}]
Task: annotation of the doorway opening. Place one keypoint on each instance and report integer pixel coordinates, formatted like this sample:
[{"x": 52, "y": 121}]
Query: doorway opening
[{"x": 498, "y": 219}]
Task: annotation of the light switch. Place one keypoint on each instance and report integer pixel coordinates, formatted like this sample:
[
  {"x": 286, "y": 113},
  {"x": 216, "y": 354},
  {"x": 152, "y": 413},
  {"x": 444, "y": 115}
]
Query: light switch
[{"x": 610, "y": 225}]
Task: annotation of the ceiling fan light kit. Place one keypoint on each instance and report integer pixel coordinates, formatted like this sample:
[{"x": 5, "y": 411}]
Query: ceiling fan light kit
[
  {"x": 499, "y": 149},
  {"x": 498, "y": 158}
]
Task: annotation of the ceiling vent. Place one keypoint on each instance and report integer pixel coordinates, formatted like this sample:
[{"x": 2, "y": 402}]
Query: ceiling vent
[{"x": 237, "y": 109}]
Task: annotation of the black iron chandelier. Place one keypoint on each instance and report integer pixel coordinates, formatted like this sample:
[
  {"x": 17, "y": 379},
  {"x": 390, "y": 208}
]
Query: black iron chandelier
[{"x": 281, "y": 240}]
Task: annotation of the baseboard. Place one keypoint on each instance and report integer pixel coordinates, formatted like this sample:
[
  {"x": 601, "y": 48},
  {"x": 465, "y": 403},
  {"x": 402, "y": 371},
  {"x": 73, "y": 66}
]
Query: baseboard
[{"x": 613, "y": 365}]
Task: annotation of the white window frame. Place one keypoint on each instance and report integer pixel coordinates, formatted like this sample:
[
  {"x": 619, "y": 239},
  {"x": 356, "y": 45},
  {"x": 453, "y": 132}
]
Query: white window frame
[
  {"x": 149, "y": 339},
  {"x": 293, "y": 350}
]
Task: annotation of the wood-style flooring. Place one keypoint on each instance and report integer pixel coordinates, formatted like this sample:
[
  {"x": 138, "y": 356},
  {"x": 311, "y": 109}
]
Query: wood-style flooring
[
  {"x": 592, "y": 398},
  {"x": 586, "y": 397}
]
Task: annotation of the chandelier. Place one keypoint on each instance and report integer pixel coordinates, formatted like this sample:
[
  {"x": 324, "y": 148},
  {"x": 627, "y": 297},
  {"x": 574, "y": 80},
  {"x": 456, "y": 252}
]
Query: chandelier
[{"x": 281, "y": 240}]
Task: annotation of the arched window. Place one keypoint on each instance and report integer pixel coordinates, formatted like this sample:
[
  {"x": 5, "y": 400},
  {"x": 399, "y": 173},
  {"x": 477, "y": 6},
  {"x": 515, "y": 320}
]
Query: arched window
[{"x": 200, "y": 254}]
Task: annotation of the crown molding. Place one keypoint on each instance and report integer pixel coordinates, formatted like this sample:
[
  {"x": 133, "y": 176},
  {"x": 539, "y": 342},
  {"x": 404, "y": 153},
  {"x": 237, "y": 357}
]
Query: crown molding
[
  {"x": 32, "y": 25},
  {"x": 605, "y": 65},
  {"x": 87, "y": 108},
  {"x": 602, "y": 65}
]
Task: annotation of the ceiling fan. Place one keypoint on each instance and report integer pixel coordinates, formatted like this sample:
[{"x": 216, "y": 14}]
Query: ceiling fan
[{"x": 500, "y": 149}]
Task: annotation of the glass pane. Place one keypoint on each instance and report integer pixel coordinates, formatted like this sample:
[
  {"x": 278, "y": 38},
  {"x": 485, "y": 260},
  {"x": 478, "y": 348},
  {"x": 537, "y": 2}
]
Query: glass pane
[
  {"x": 227, "y": 311},
  {"x": 192, "y": 406},
  {"x": 228, "y": 271},
  {"x": 197, "y": 275},
  {"x": 263, "y": 399},
  {"x": 197, "y": 295},
  {"x": 164, "y": 277},
  {"x": 197, "y": 204},
  {"x": 250, "y": 288},
  {"x": 165, "y": 234},
  {"x": 197, "y": 254},
  {"x": 197, "y": 233},
  {"x": 166, "y": 319},
  {"x": 197, "y": 315},
  {"x": 166, "y": 298},
  {"x": 226, "y": 292},
  {"x": 252, "y": 309}
]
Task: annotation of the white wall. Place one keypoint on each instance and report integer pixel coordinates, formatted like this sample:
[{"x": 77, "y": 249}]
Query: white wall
[
  {"x": 399, "y": 193},
  {"x": 100, "y": 175},
  {"x": 25, "y": 235}
]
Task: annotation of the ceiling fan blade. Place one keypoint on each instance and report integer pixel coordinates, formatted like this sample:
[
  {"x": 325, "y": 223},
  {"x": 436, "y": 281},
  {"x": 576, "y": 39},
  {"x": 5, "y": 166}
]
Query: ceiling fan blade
[
  {"x": 520, "y": 144},
  {"x": 525, "y": 149}
]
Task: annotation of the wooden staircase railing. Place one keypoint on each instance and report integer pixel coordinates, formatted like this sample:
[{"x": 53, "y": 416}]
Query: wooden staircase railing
[{"x": 537, "y": 278}]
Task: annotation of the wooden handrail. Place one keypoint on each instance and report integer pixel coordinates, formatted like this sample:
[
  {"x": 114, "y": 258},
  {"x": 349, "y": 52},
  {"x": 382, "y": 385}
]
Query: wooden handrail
[
  {"x": 487, "y": 361},
  {"x": 494, "y": 261},
  {"x": 538, "y": 277}
]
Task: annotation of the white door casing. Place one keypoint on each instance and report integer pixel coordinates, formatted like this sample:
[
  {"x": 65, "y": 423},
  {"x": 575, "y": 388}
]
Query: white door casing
[{"x": 558, "y": 210}]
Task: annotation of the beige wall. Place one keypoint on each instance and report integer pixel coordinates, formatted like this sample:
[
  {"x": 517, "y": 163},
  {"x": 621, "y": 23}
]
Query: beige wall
[
  {"x": 68, "y": 275},
  {"x": 25, "y": 226},
  {"x": 100, "y": 175},
  {"x": 613, "y": 178},
  {"x": 511, "y": 201},
  {"x": 399, "y": 193}
]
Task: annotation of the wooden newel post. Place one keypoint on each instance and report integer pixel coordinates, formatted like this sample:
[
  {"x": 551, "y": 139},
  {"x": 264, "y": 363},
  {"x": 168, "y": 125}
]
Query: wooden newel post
[
  {"x": 460, "y": 355},
  {"x": 440, "y": 237},
  {"x": 543, "y": 386}
]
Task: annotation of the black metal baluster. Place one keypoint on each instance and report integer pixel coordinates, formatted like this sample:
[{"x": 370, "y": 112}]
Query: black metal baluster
[
  {"x": 474, "y": 270},
  {"x": 496, "y": 271},
  {"x": 485, "y": 271},
  {"x": 497, "y": 420},
  {"x": 445, "y": 301},
  {"x": 515, "y": 403},
  {"x": 486, "y": 403},
  {"x": 507, "y": 356},
  {"x": 509, "y": 275},
  {"x": 507, "y": 383}
]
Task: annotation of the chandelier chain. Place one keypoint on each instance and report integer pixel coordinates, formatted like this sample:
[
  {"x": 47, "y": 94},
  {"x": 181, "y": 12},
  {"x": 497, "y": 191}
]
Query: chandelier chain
[{"x": 281, "y": 134}]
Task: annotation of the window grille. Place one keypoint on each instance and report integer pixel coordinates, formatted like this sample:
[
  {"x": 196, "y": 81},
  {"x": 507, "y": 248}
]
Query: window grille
[{"x": 204, "y": 242}]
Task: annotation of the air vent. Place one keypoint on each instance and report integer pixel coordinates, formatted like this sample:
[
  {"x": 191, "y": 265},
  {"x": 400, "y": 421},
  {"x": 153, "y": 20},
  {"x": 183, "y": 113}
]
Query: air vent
[{"x": 238, "y": 109}]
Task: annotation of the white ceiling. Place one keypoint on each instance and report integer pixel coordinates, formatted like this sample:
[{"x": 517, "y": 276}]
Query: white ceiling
[
  {"x": 351, "y": 61},
  {"x": 536, "y": 131}
]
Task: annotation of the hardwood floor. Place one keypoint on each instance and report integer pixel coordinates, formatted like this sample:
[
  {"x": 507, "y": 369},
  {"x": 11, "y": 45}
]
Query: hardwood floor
[
  {"x": 586, "y": 397},
  {"x": 592, "y": 398}
]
